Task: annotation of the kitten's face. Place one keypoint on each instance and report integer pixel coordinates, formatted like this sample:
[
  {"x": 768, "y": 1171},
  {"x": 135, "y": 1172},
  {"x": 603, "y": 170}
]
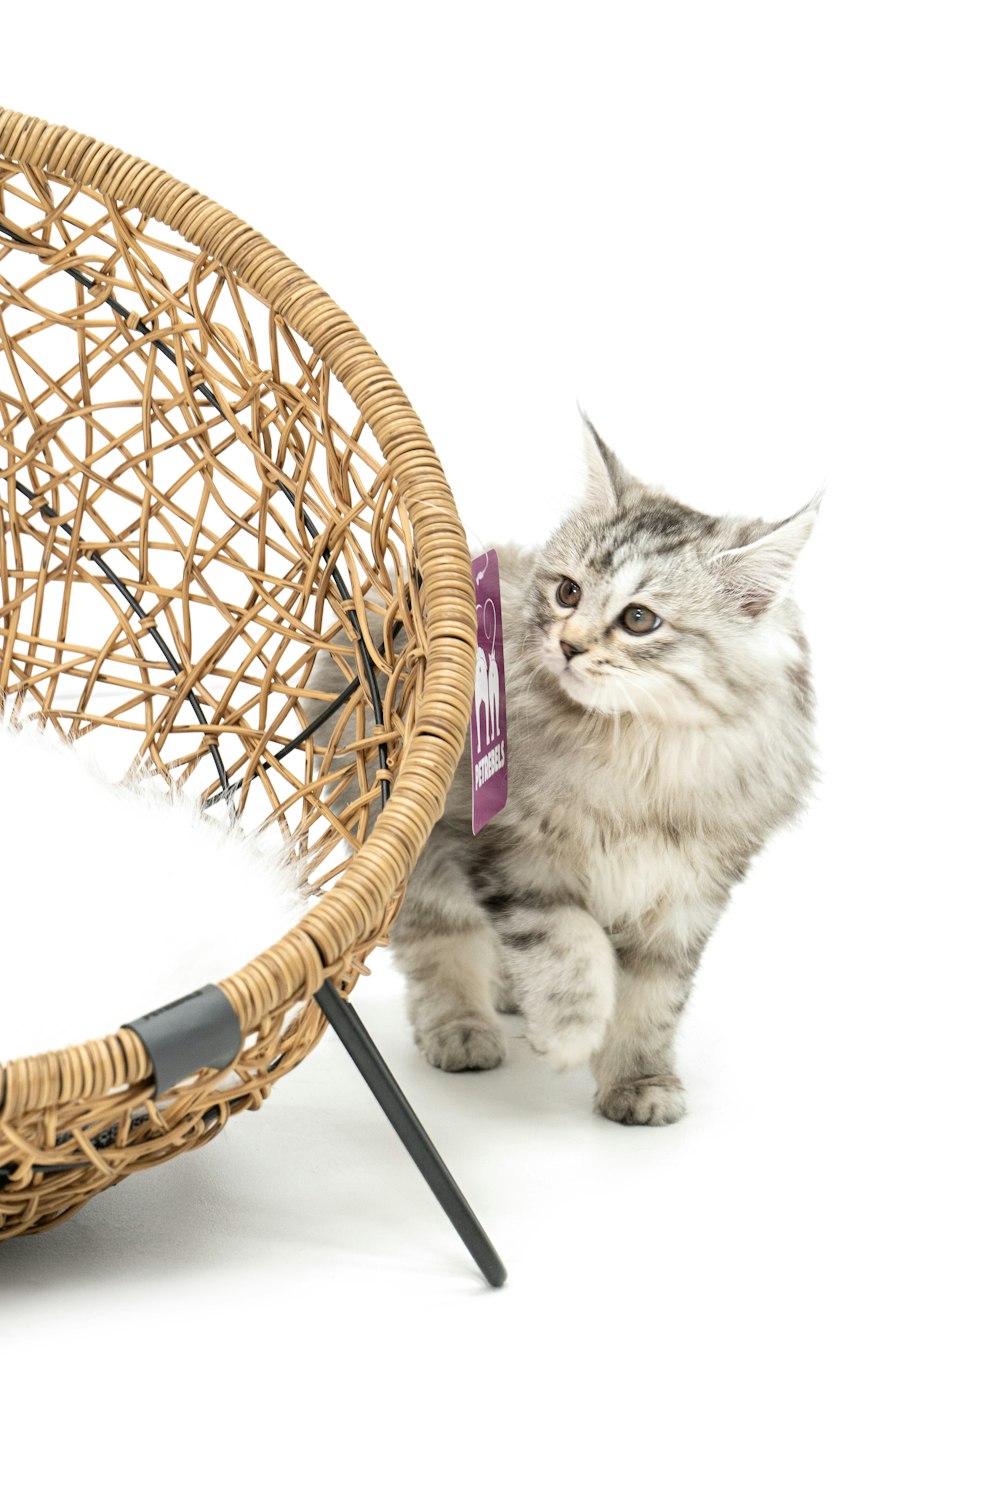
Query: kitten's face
[
  {"x": 624, "y": 630},
  {"x": 644, "y": 607}
]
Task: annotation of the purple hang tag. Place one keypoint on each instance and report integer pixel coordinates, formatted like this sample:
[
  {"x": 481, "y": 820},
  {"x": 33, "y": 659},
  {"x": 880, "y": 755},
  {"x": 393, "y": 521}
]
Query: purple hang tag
[{"x": 488, "y": 731}]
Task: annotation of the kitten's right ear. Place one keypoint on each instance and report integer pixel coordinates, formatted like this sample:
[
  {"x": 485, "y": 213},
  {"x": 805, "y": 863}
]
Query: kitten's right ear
[
  {"x": 759, "y": 575},
  {"x": 606, "y": 476}
]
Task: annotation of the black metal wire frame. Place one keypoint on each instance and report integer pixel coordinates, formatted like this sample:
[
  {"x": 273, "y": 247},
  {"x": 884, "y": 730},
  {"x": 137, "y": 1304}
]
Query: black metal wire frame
[
  {"x": 346, "y": 1022},
  {"x": 225, "y": 790}
]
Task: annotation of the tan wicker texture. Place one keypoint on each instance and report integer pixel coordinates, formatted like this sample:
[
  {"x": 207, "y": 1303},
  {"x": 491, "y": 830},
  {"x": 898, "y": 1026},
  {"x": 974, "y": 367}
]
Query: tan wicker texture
[{"x": 207, "y": 476}]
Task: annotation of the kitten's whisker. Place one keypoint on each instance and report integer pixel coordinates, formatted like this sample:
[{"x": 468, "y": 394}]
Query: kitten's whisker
[{"x": 631, "y": 684}]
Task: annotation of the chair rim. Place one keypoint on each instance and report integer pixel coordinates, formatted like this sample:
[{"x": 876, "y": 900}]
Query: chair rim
[{"x": 345, "y": 916}]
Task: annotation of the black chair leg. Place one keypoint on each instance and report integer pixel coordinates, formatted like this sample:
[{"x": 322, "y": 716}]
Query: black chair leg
[{"x": 372, "y": 1066}]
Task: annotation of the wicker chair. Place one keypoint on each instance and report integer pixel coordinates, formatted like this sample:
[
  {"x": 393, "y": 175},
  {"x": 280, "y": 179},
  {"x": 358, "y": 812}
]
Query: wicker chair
[{"x": 208, "y": 477}]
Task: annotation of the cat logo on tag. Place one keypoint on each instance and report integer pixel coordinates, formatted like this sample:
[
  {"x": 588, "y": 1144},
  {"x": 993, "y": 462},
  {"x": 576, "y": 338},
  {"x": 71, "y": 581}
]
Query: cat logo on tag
[{"x": 488, "y": 731}]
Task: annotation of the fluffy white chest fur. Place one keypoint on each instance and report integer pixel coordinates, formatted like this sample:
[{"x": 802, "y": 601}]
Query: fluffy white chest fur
[
  {"x": 627, "y": 824},
  {"x": 119, "y": 898},
  {"x": 636, "y": 883}
]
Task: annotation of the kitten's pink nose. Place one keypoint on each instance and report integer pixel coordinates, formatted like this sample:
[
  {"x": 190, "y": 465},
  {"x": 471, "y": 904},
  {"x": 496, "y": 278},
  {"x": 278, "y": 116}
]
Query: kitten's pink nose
[{"x": 569, "y": 649}]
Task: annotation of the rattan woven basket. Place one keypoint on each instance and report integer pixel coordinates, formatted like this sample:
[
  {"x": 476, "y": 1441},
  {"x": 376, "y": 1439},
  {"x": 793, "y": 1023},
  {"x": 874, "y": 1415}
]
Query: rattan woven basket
[{"x": 207, "y": 476}]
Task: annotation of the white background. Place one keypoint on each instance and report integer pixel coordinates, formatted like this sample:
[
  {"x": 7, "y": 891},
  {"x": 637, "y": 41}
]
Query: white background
[{"x": 759, "y": 245}]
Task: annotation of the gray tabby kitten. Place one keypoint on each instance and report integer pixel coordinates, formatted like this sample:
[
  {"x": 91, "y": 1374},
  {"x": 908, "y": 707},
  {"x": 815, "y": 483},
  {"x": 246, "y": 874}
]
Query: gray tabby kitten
[{"x": 659, "y": 730}]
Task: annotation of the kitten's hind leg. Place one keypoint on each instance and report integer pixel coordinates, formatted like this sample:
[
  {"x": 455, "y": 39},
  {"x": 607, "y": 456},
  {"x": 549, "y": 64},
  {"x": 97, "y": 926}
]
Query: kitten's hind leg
[
  {"x": 450, "y": 955},
  {"x": 559, "y": 970}
]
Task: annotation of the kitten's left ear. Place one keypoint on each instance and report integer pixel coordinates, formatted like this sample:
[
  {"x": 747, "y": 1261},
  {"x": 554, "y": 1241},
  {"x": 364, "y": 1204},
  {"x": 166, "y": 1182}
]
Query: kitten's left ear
[
  {"x": 759, "y": 575},
  {"x": 607, "y": 477}
]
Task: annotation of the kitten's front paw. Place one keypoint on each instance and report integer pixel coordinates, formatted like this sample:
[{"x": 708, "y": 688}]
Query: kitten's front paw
[
  {"x": 569, "y": 1045},
  {"x": 463, "y": 1046},
  {"x": 643, "y": 1101}
]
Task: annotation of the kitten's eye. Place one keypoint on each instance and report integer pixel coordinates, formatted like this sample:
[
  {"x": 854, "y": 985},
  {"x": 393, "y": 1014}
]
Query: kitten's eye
[
  {"x": 638, "y": 620},
  {"x": 568, "y": 593}
]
